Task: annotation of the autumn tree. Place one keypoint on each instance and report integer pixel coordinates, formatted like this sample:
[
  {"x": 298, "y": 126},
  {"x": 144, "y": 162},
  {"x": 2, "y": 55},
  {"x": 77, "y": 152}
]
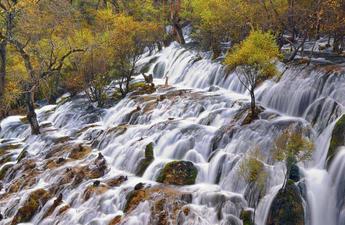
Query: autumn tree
[
  {"x": 292, "y": 148},
  {"x": 333, "y": 22},
  {"x": 128, "y": 40},
  {"x": 41, "y": 44},
  {"x": 253, "y": 60},
  {"x": 216, "y": 21}
]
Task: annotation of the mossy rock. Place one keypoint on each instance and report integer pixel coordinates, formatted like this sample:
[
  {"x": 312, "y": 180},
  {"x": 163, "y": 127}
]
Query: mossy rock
[
  {"x": 79, "y": 152},
  {"x": 35, "y": 200},
  {"x": 178, "y": 173},
  {"x": 294, "y": 173},
  {"x": 145, "y": 162},
  {"x": 287, "y": 207},
  {"x": 337, "y": 140},
  {"x": 4, "y": 170},
  {"x": 247, "y": 217},
  {"x": 141, "y": 88},
  {"x": 22, "y": 155},
  {"x": 165, "y": 202},
  {"x": 134, "y": 198},
  {"x": 9, "y": 146}
]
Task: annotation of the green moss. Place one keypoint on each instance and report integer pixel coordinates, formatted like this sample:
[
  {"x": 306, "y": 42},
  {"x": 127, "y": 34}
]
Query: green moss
[
  {"x": 338, "y": 139},
  {"x": 178, "y": 173},
  {"x": 144, "y": 163},
  {"x": 22, "y": 155},
  {"x": 4, "y": 170},
  {"x": 287, "y": 207},
  {"x": 246, "y": 217},
  {"x": 140, "y": 88}
]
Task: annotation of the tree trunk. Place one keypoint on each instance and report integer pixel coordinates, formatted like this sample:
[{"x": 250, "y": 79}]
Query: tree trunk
[
  {"x": 337, "y": 45},
  {"x": 175, "y": 20},
  {"x": 2, "y": 67},
  {"x": 31, "y": 114},
  {"x": 217, "y": 51},
  {"x": 178, "y": 33},
  {"x": 252, "y": 103},
  {"x": 294, "y": 53}
]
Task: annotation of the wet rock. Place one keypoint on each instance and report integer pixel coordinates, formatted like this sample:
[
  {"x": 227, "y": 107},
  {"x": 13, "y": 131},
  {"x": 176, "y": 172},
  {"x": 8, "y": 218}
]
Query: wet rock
[
  {"x": 73, "y": 176},
  {"x": 166, "y": 203},
  {"x": 134, "y": 198},
  {"x": 337, "y": 140},
  {"x": 96, "y": 183},
  {"x": 55, "y": 204},
  {"x": 247, "y": 217},
  {"x": 178, "y": 173},
  {"x": 22, "y": 175},
  {"x": 139, "y": 186},
  {"x": 116, "y": 220},
  {"x": 79, "y": 152},
  {"x": 146, "y": 161},
  {"x": 22, "y": 155},
  {"x": 141, "y": 88},
  {"x": 63, "y": 209},
  {"x": 9, "y": 146},
  {"x": 35, "y": 200},
  {"x": 117, "y": 181},
  {"x": 245, "y": 115},
  {"x": 93, "y": 190},
  {"x": 287, "y": 207},
  {"x": 294, "y": 173}
]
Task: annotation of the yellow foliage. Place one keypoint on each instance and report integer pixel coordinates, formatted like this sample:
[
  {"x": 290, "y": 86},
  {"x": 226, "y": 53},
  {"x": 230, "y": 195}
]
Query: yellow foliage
[{"x": 258, "y": 51}]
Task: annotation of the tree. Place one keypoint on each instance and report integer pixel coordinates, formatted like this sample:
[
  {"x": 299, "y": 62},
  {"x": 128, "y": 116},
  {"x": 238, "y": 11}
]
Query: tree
[
  {"x": 254, "y": 59},
  {"x": 41, "y": 44},
  {"x": 291, "y": 147},
  {"x": 333, "y": 22},
  {"x": 128, "y": 40},
  {"x": 216, "y": 21},
  {"x": 252, "y": 170}
]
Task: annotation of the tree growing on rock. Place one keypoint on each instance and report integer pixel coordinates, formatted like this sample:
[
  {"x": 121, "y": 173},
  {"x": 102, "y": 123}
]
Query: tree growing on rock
[
  {"x": 252, "y": 170},
  {"x": 292, "y": 148},
  {"x": 253, "y": 60}
]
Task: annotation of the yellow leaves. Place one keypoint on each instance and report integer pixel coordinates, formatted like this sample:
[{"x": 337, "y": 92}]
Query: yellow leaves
[
  {"x": 252, "y": 169},
  {"x": 292, "y": 145},
  {"x": 258, "y": 50}
]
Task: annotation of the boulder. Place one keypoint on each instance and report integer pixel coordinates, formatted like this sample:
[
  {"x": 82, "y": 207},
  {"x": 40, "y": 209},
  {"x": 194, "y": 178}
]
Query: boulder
[
  {"x": 116, "y": 220},
  {"x": 165, "y": 203},
  {"x": 294, "y": 173},
  {"x": 337, "y": 140},
  {"x": 146, "y": 161},
  {"x": 178, "y": 173},
  {"x": 34, "y": 201},
  {"x": 287, "y": 207},
  {"x": 247, "y": 217}
]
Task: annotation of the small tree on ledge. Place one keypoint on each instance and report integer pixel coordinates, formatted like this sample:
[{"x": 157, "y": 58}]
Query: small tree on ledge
[
  {"x": 292, "y": 148},
  {"x": 254, "y": 59}
]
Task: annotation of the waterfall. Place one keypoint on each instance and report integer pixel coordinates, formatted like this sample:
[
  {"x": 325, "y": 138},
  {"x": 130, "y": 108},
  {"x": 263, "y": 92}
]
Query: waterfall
[{"x": 197, "y": 118}]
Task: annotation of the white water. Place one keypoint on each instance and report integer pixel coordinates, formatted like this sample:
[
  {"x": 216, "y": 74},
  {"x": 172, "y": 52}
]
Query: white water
[{"x": 196, "y": 123}]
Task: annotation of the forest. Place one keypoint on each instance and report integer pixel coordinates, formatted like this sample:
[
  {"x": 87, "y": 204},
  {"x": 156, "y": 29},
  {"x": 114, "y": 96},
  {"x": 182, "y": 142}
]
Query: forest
[
  {"x": 48, "y": 47},
  {"x": 172, "y": 112}
]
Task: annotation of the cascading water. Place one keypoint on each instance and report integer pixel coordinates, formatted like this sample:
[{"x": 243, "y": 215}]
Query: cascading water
[{"x": 197, "y": 118}]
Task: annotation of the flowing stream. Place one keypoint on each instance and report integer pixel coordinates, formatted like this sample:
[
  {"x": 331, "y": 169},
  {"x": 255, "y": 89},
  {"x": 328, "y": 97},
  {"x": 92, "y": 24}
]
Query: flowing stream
[{"x": 196, "y": 118}]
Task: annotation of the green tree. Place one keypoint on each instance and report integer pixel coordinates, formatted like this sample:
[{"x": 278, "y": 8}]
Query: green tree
[
  {"x": 254, "y": 59},
  {"x": 291, "y": 147}
]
